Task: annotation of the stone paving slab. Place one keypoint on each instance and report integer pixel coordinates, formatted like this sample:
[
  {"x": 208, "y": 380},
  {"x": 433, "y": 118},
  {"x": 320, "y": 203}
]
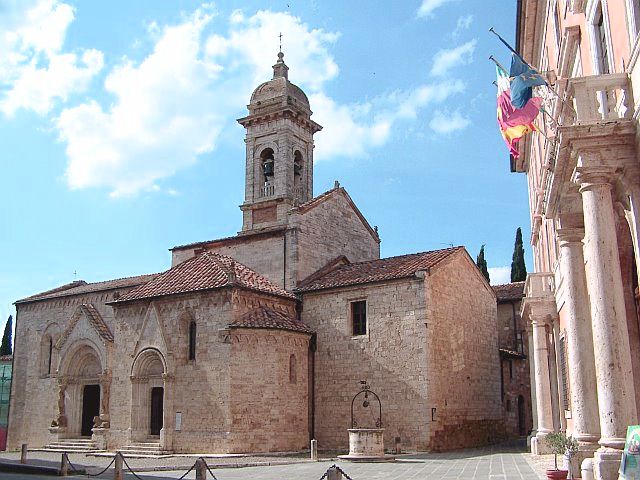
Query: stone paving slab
[{"x": 477, "y": 464}]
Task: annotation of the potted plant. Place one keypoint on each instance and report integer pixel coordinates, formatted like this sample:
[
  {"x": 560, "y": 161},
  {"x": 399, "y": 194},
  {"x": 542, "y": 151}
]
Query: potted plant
[{"x": 560, "y": 444}]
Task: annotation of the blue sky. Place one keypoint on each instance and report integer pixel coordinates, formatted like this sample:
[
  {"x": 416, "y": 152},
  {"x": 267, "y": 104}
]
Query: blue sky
[{"x": 119, "y": 140}]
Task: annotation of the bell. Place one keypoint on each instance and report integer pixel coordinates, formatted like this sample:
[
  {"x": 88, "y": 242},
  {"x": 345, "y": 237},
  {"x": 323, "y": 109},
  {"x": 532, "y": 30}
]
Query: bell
[
  {"x": 267, "y": 169},
  {"x": 365, "y": 404}
]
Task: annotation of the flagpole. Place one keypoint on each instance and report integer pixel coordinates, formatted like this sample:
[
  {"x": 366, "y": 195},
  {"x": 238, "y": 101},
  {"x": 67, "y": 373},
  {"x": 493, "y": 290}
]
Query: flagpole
[{"x": 493, "y": 59}]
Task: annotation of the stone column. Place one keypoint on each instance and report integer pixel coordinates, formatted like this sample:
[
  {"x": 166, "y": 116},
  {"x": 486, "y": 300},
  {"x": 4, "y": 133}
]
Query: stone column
[
  {"x": 532, "y": 381},
  {"x": 543, "y": 386},
  {"x": 616, "y": 398},
  {"x": 580, "y": 356}
]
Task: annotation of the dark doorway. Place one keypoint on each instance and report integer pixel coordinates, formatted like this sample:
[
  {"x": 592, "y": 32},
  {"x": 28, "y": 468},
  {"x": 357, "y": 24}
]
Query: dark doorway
[
  {"x": 156, "y": 410},
  {"x": 90, "y": 408},
  {"x": 521, "y": 421}
]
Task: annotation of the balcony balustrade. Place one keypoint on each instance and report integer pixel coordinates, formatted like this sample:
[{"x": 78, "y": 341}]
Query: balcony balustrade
[
  {"x": 267, "y": 190},
  {"x": 539, "y": 285}
]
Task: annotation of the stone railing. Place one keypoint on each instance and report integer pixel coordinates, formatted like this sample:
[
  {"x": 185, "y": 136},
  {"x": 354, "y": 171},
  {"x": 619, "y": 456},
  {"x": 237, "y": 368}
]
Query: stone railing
[
  {"x": 267, "y": 190},
  {"x": 597, "y": 98},
  {"x": 539, "y": 285}
]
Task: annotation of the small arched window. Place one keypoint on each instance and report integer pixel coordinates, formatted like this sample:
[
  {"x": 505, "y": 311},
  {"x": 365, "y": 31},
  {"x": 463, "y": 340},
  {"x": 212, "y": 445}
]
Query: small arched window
[
  {"x": 297, "y": 163},
  {"x": 192, "y": 340},
  {"x": 267, "y": 161},
  {"x": 50, "y": 356},
  {"x": 292, "y": 369}
]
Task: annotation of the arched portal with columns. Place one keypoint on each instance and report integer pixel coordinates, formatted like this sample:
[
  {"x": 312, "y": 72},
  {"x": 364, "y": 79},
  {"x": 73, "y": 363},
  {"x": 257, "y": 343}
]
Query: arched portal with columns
[
  {"x": 79, "y": 389},
  {"x": 148, "y": 396}
]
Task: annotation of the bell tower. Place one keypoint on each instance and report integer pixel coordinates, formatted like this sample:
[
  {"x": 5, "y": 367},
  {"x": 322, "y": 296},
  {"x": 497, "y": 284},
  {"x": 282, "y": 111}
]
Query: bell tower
[{"x": 279, "y": 151}]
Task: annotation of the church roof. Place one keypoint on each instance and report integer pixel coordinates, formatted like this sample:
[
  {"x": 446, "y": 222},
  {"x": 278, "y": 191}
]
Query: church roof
[
  {"x": 391, "y": 268},
  {"x": 80, "y": 287},
  {"x": 262, "y": 317},
  {"x": 207, "y": 271},
  {"x": 509, "y": 291}
]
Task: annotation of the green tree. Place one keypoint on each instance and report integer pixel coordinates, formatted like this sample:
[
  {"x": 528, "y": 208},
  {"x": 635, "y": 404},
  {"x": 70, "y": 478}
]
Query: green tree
[
  {"x": 518, "y": 268},
  {"x": 482, "y": 264},
  {"x": 5, "y": 347}
]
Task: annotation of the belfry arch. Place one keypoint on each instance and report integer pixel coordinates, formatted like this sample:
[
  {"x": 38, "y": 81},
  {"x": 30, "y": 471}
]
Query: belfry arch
[{"x": 148, "y": 396}]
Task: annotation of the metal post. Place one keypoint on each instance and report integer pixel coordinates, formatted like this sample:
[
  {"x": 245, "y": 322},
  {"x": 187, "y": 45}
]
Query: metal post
[
  {"x": 334, "y": 474},
  {"x": 201, "y": 470},
  {"x": 314, "y": 450},
  {"x": 118, "y": 473},
  {"x": 397, "y": 445},
  {"x": 64, "y": 465},
  {"x": 23, "y": 453}
]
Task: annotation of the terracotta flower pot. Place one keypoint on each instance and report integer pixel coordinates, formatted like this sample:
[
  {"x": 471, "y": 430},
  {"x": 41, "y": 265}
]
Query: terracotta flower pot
[{"x": 557, "y": 474}]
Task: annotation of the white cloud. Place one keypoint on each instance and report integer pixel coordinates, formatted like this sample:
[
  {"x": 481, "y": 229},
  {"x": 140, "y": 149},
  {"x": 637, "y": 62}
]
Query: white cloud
[
  {"x": 445, "y": 123},
  {"x": 463, "y": 23},
  {"x": 165, "y": 113},
  {"x": 34, "y": 70},
  {"x": 500, "y": 275},
  {"x": 445, "y": 60},
  {"x": 428, "y": 6}
]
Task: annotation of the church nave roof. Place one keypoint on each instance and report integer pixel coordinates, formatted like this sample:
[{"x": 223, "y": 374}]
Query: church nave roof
[
  {"x": 206, "y": 271},
  {"x": 263, "y": 317}
]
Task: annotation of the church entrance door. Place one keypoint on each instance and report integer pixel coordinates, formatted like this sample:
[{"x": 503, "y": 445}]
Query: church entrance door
[
  {"x": 157, "y": 394},
  {"x": 90, "y": 408}
]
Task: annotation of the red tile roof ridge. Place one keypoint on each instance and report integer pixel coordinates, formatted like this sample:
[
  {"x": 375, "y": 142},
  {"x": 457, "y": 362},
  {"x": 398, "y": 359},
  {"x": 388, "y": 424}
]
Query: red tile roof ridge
[
  {"x": 82, "y": 286},
  {"x": 205, "y": 271},
  {"x": 382, "y": 269},
  {"x": 240, "y": 236},
  {"x": 330, "y": 266},
  {"x": 267, "y": 318}
]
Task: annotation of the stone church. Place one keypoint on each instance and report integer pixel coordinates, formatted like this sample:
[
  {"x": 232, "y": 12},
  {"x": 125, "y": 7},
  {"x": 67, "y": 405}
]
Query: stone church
[{"x": 258, "y": 342}]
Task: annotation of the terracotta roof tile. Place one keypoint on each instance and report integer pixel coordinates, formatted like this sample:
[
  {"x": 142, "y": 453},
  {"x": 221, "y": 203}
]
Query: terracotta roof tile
[
  {"x": 390, "y": 268},
  {"x": 80, "y": 287},
  {"x": 262, "y": 317},
  {"x": 240, "y": 237},
  {"x": 509, "y": 291},
  {"x": 206, "y": 271}
]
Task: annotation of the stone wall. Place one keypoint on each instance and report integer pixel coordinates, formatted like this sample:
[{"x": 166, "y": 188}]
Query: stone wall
[
  {"x": 35, "y": 391},
  {"x": 269, "y": 403},
  {"x": 463, "y": 364},
  {"x": 391, "y": 358},
  {"x": 331, "y": 229}
]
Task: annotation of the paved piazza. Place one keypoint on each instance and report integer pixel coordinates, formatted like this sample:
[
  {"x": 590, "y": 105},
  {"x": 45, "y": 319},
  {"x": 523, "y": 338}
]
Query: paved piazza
[{"x": 462, "y": 465}]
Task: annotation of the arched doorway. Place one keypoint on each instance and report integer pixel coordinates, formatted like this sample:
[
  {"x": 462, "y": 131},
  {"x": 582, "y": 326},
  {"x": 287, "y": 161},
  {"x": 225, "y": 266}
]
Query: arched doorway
[
  {"x": 147, "y": 402},
  {"x": 79, "y": 390}
]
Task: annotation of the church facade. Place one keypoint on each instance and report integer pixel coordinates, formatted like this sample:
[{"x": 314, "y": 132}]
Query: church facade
[{"x": 258, "y": 342}]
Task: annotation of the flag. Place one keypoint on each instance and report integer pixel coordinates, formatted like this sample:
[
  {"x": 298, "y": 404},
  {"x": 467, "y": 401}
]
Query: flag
[
  {"x": 514, "y": 123},
  {"x": 523, "y": 78}
]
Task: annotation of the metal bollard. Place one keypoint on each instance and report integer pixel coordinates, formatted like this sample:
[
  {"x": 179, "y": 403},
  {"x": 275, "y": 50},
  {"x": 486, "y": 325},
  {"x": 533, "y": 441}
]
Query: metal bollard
[
  {"x": 64, "y": 465},
  {"x": 398, "y": 449},
  {"x": 314, "y": 450},
  {"x": 334, "y": 474},
  {"x": 201, "y": 470},
  {"x": 118, "y": 473},
  {"x": 23, "y": 453}
]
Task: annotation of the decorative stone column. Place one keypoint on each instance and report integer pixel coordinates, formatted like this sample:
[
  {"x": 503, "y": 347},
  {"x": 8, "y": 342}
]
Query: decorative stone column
[
  {"x": 616, "y": 397},
  {"x": 543, "y": 387},
  {"x": 581, "y": 361}
]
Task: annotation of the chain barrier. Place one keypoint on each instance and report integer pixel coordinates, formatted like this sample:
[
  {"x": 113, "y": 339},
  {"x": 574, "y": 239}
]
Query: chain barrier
[
  {"x": 73, "y": 467},
  {"x": 334, "y": 466},
  {"x": 187, "y": 472},
  {"x": 209, "y": 469},
  {"x": 128, "y": 467}
]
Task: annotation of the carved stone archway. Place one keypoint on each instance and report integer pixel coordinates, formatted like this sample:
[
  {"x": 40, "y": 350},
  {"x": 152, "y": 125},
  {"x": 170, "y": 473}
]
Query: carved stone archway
[
  {"x": 81, "y": 366},
  {"x": 148, "y": 374}
]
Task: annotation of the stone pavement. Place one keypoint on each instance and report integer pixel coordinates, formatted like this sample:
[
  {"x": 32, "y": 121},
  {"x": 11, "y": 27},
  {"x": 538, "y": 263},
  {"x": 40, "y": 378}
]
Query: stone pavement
[{"x": 477, "y": 464}]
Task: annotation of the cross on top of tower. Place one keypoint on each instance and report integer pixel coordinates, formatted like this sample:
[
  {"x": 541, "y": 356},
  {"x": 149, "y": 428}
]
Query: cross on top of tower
[{"x": 280, "y": 36}]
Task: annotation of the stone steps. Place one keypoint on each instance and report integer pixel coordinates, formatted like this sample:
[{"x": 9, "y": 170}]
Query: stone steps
[
  {"x": 71, "y": 445},
  {"x": 142, "y": 449}
]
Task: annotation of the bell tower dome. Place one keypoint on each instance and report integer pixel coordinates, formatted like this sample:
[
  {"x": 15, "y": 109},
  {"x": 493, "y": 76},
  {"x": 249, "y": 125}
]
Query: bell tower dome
[{"x": 279, "y": 143}]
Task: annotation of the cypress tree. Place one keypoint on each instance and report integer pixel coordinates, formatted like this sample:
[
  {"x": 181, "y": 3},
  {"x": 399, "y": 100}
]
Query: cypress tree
[
  {"x": 482, "y": 264},
  {"x": 5, "y": 347},
  {"x": 518, "y": 267}
]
